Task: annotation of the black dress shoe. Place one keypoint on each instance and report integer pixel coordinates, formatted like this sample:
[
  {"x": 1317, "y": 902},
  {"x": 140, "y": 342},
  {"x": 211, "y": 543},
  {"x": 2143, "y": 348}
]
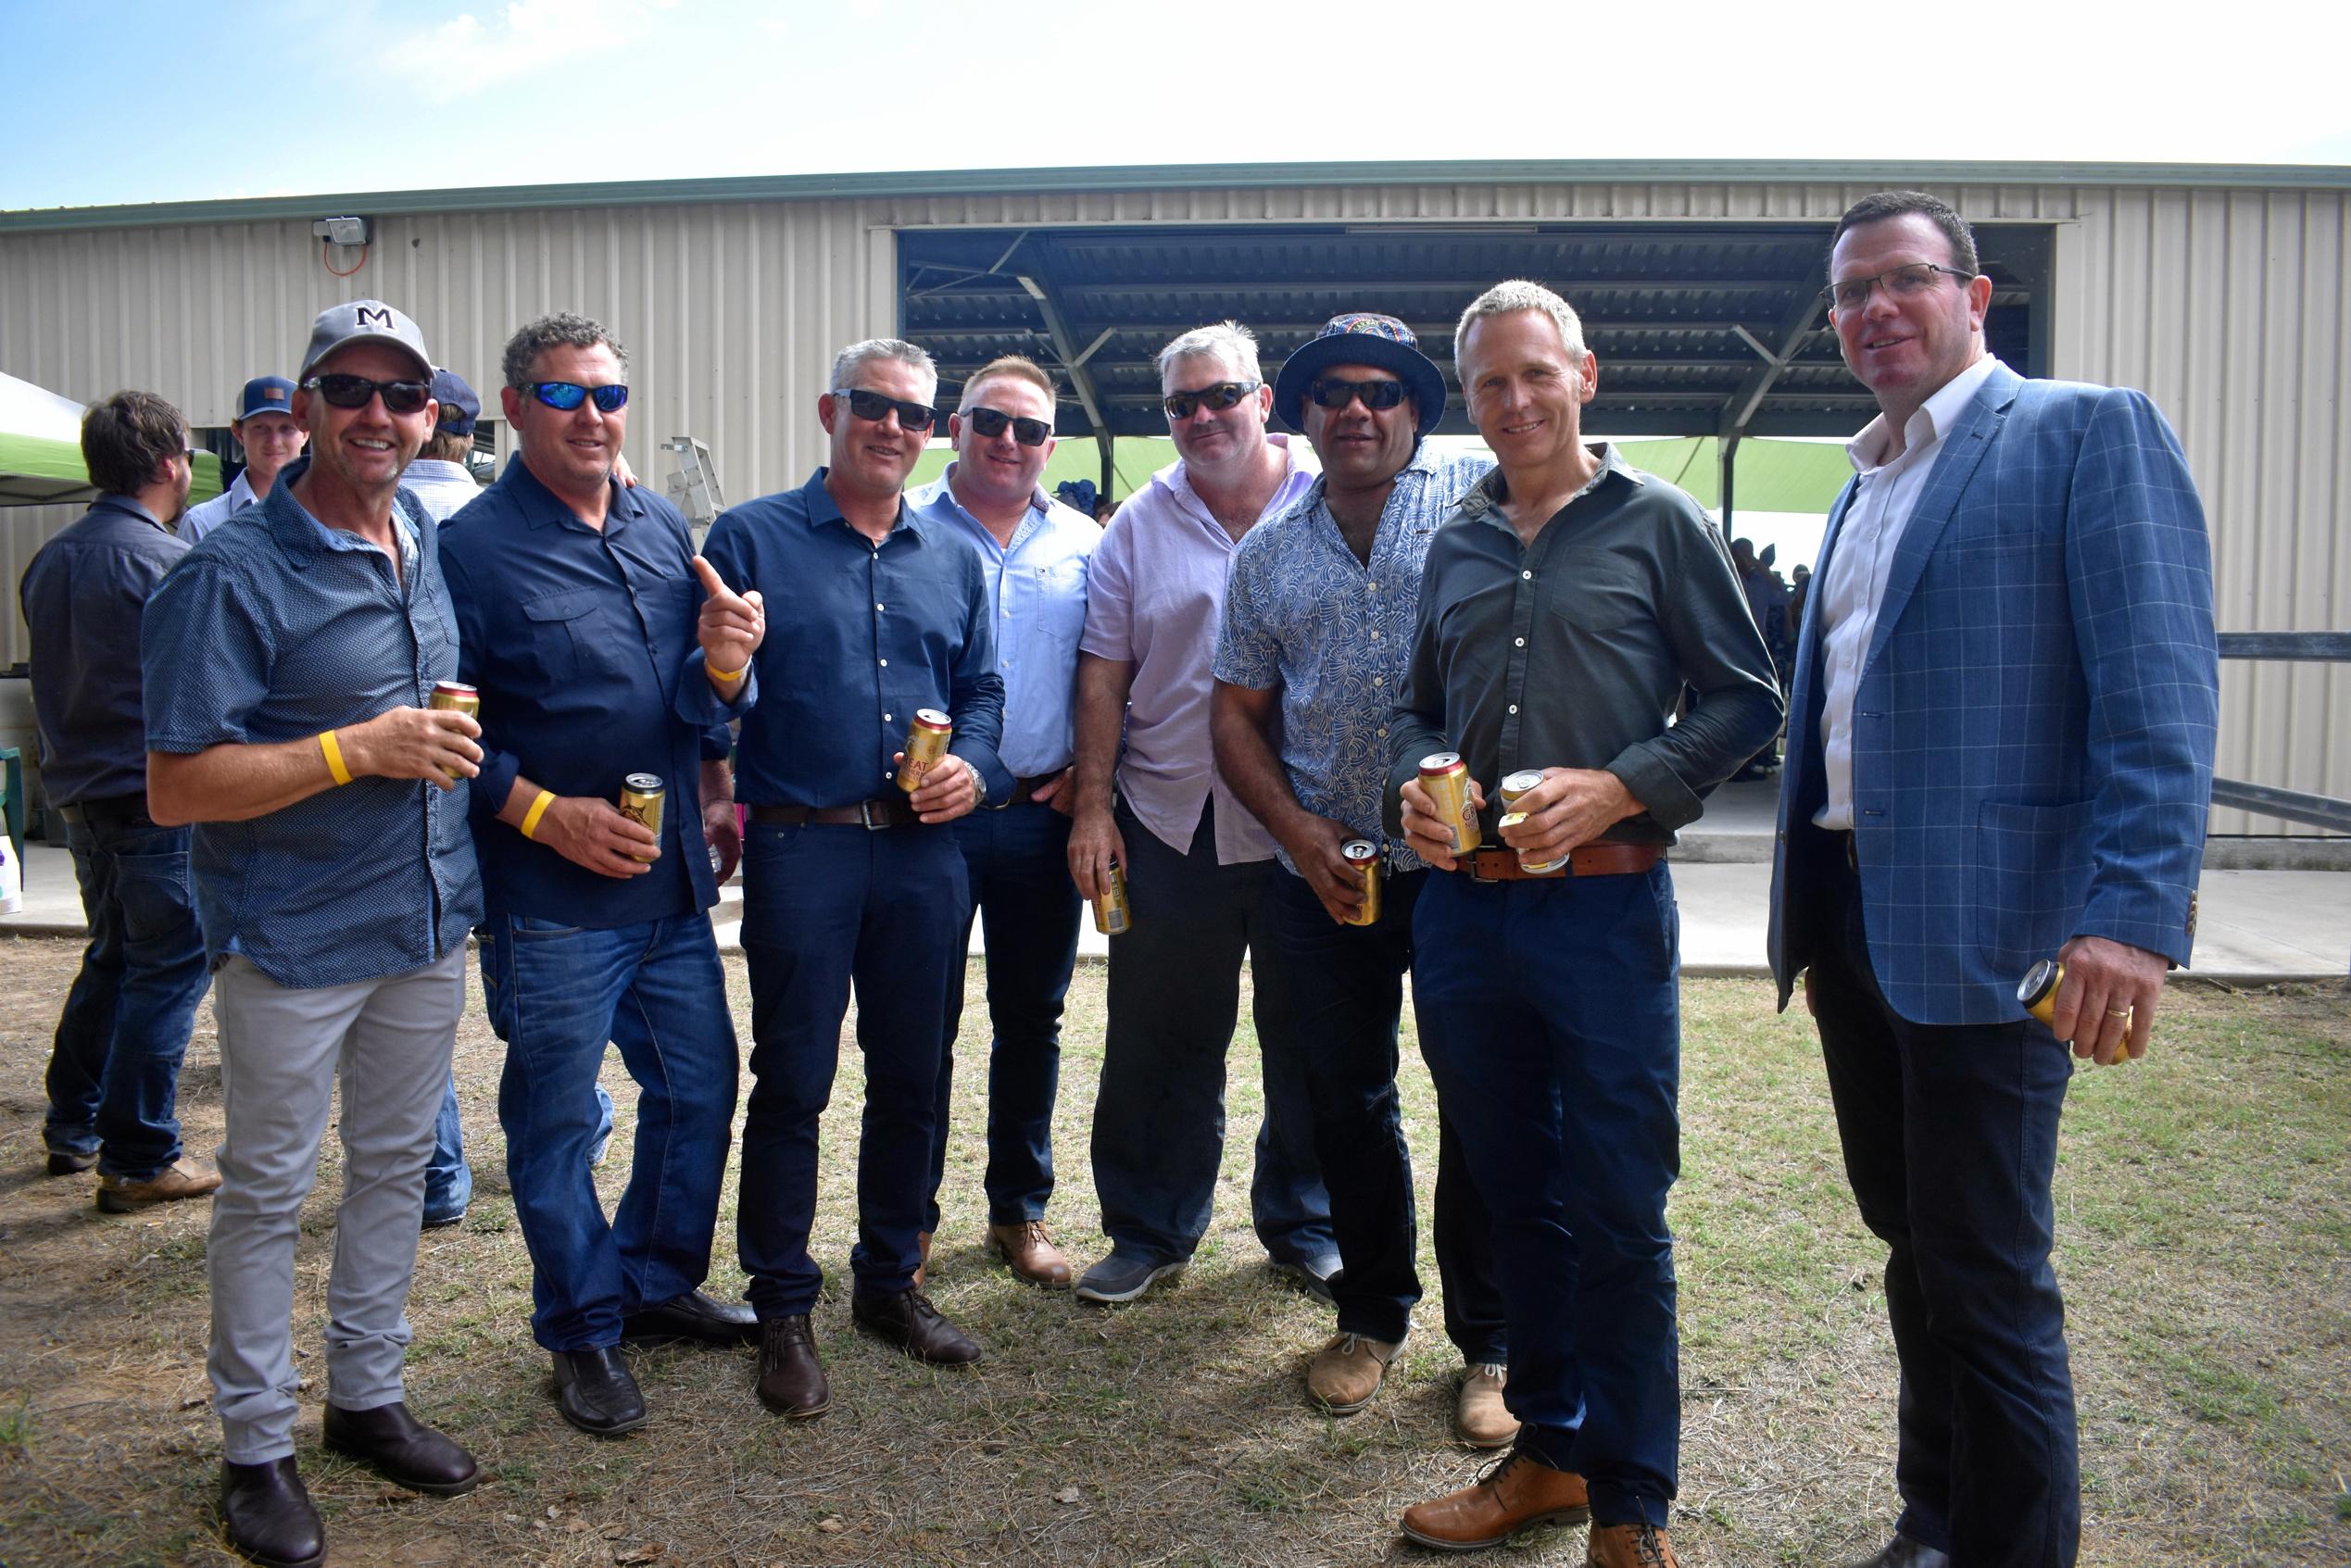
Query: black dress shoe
[
  {"x": 403, "y": 1449},
  {"x": 67, "y": 1162},
  {"x": 692, "y": 1316},
  {"x": 1903, "y": 1552},
  {"x": 909, "y": 1321},
  {"x": 596, "y": 1393},
  {"x": 792, "y": 1381},
  {"x": 266, "y": 1513}
]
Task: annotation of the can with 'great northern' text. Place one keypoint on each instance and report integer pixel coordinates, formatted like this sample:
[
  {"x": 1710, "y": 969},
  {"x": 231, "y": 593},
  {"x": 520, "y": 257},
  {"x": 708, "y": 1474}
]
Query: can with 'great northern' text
[
  {"x": 1446, "y": 778},
  {"x": 925, "y": 744},
  {"x": 1111, "y": 916}
]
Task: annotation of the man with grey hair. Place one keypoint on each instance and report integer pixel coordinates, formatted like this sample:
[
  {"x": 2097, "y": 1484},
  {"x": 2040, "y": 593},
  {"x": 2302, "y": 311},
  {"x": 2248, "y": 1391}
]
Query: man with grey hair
[
  {"x": 1565, "y": 604},
  {"x": 850, "y": 882},
  {"x": 1197, "y": 865}
]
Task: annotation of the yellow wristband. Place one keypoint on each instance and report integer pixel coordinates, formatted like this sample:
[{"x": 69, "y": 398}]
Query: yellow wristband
[
  {"x": 538, "y": 808},
  {"x": 729, "y": 675},
  {"x": 334, "y": 752}
]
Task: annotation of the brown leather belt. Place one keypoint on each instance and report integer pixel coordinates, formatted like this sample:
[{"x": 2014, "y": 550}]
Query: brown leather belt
[
  {"x": 882, "y": 813},
  {"x": 1492, "y": 864}
]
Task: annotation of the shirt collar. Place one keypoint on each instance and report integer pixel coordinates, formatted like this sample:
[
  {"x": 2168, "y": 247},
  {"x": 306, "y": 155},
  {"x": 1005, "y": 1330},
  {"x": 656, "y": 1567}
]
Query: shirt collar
[
  {"x": 302, "y": 535},
  {"x": 542, "y": 508},
  {"x": 941, "y": 491},
  {"x": 1930, "y": 424},
  {"x": 119, "y": 501},
  {"x": 1487, "y": 496},
  {"x": 823, "y": 509},
  {"x": 1421, "y": 462},
  {"x": 1174, "y": 477}
]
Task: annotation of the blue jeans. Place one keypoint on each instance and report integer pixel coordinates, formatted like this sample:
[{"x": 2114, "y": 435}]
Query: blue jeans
[
  {"x": 1550, "y": 1012},
  {"x": 1017, "y": 863},
  {"x": 1174, "y": 996},
  {"x": 114, "y": 1070},
  {"x": 557, "y": 994},
  {"x": 1950, "y": 1135},
  {"x": 824, "y": 908},
  {"x": 1347, "y": 985},
  {"x": 448, "y": 1180}
]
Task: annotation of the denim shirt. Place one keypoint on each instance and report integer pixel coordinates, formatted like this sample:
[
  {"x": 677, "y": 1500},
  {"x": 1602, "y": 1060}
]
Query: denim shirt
[
  {"x": 1336, "y": 634},
  {"x": 859, "y": 636},
  {"x": 583, "y": 645},
  {"x": 1037, "y": 592},
  {"x": 273, "y": 628}
]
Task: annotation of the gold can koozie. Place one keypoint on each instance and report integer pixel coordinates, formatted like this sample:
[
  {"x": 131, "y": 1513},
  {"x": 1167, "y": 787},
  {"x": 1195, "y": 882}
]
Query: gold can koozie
[
  {"x": 641, "y": 796},
  {"x": 925, "y": 744},
  {"x": 1362, "y": 860},
  {"x": 1111, "y": 916},
  {"x": 1446, "y": 778}
]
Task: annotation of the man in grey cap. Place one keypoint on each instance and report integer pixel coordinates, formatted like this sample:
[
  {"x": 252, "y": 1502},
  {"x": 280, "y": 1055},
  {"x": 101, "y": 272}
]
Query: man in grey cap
[
  {"x": 264, "y": 426},
  {"x": 288, "y": 663}
]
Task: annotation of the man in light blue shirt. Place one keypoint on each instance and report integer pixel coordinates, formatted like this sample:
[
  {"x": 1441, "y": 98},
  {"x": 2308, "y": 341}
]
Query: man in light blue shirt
[
  {"x": 264, "y": 426},
  {"x": 438, "y": 478},
  {"x": 1033, "y": 552}
]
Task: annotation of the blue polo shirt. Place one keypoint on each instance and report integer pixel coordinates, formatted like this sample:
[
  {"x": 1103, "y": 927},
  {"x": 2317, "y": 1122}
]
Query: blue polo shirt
[
  {"x": 583, "y": 644},
  {"x": 82, "y": 597},
  {"x": 272, "y": 628},
  {"x": 859, "y": 636}
]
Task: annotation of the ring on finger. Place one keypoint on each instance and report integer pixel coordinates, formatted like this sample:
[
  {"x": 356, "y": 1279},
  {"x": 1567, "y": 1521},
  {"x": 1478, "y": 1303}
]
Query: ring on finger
[{"x": 2118, "y": 1012}]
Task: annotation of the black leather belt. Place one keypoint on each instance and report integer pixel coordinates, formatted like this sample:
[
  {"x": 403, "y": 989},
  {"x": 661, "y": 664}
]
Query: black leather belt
[
  {"x": 882, "y": 813},
  {"x": 118, "y": 810},
  {"x": 1024, "y": 790}
]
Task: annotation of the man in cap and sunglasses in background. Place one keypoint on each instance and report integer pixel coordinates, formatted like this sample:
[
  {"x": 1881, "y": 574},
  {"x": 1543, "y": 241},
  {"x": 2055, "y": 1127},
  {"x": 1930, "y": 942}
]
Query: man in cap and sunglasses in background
[
  {"x": 264, "y": 428},
  {"x": 1318, "y": 623},
  {"x": 581, "y": 623},
  {"x": 1197, "y": 865},
  {"x": 874, "y": 612},
  {"x": 1032, "y": 550},
  {"x": 289, "y": 660}
]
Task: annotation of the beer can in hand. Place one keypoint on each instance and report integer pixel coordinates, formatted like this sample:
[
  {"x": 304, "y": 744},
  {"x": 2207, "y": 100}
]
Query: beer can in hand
[
  {"x": 1112, "y": 916},
  {"x": 2037, "y": 992},
  {"x": 1446, "y": 778},
  {"x": 925, "y": 744},
  {"x": 641, "y": 796},
  {"x": 1362, "y": 860},
  {"x": 1512, "y": 788},
  {"x": 452, "y": 697}
]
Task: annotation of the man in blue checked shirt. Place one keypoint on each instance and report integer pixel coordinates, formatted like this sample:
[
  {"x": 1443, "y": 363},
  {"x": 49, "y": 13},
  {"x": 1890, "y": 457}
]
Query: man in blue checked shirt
[
  {"x": 582, "y": 621},
  {"x": 875, "y": 612},
  {"x": 1318, "y": 625},
  {"x": 288, "y": 660},
  {"x": 1032, "y": 550}
]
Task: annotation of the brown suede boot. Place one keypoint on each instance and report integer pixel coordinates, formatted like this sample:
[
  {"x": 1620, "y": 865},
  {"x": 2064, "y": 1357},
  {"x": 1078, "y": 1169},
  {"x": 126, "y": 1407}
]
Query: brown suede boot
[
  {"x": 1630, "y": 1545},
  {"x": 1510, "y": 1494}
]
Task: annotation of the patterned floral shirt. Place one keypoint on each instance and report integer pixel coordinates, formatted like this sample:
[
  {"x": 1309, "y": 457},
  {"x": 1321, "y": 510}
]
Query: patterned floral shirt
[{"x": 1336, "y": 634}]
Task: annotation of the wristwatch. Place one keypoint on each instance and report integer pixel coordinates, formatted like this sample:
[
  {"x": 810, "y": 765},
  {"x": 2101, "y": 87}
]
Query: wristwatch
[{"x": 979, "y": 788}]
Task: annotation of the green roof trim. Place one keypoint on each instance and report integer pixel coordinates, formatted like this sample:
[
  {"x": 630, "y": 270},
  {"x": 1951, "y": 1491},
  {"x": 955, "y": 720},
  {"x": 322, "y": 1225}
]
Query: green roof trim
[
  {"x": 38, "y": 470},
  {"x": 1178, "y": 177}
]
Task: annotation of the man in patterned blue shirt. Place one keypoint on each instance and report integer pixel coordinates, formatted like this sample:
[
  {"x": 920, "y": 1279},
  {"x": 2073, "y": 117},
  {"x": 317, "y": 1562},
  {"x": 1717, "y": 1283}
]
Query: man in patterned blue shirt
[
  {"x": 1318, "y": 623},
  {"x": 289, "y": 657}
]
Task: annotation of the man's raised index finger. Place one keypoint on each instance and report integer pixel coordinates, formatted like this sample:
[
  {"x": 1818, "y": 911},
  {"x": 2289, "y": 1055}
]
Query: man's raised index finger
[{"x": 712, "y": 584}]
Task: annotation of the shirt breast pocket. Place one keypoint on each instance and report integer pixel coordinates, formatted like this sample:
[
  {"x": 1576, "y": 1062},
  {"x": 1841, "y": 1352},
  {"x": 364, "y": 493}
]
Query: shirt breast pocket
[
  {"x": 1593, "y": 591},
  {"x": 1062, "y": 587},
  {"x": 564, "y": 634}
]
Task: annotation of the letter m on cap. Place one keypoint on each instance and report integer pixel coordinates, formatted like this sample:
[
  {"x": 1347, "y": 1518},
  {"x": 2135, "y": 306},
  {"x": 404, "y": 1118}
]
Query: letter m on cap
[{"x": 378, "y": 317}]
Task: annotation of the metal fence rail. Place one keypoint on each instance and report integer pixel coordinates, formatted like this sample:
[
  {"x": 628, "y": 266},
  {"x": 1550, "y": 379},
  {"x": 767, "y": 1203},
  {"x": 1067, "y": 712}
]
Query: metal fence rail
[{"x": 2290, "y": 805}]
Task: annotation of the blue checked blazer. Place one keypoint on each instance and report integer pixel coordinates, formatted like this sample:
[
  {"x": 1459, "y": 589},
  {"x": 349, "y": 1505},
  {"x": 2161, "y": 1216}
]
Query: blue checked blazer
[{"x": 2034, "y": 727}]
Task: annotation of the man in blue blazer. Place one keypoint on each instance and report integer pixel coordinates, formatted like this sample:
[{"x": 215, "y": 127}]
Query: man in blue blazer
[{"x": 2000, "y": 747}]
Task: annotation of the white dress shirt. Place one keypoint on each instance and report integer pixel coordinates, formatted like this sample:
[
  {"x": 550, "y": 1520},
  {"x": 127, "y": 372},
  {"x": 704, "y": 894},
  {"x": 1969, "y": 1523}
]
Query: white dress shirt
[{"x": 1852, "y": 585}]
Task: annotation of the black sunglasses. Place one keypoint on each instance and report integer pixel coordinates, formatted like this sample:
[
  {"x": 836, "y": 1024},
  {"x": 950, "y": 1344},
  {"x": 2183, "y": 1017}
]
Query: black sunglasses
[
  {"x": 569, "y": 394},
  {"x": 990, "y": 424},
  {"x": 1376, "y": 395},
  {"x": 353, "y": 392},
  {"x": 875, "y": 407},
  {"x": 1221, "y": 396}
]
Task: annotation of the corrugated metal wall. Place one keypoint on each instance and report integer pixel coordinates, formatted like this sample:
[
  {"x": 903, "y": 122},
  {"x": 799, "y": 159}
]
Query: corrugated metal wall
[{"x": 2227, "y": 306}]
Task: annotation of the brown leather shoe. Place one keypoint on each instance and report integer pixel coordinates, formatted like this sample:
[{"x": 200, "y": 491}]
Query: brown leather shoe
[
  {"x": 1515, "y": 1492},
  {"x": 1030, "y": 1253},
  {"x": 792, "y": 1381},
  {"x": 403, "y": 1449},
  {"x": 1346, "y": 1373},
  {"x": 1630, "y": 1545},
  {"x": 1480, "y": 1419},
  {"x": 175, "y": 1180},
  {"x": 909, "y": 1321},
  {"x": 922, "y": 1263}
]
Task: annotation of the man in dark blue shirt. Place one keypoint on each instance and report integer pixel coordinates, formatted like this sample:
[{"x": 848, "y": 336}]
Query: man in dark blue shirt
[
  {"x": 114, "y": 1071},
  {"x": 848, "y": 881},
  {"x": 577, "y": 619}
]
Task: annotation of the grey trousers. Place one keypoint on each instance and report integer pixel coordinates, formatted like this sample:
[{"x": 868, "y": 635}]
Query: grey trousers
[{"x": 281, "y": 1053}]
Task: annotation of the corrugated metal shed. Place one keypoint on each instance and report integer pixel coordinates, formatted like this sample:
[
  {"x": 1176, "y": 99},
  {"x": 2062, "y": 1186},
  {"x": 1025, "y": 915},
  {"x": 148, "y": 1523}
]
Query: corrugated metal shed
[{"x": 2218, "y": 290}]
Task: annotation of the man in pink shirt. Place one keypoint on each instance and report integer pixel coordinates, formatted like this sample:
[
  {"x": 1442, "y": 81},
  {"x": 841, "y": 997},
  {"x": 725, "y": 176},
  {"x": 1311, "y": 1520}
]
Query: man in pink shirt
[{"x": 1197, "y": 864}]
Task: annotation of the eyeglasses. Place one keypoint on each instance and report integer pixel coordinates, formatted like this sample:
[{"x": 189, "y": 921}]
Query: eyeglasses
[
  {"x": 1376, "y": 395},
  {"x": 990, "y": 424},
  {"x": 1221, "y": 396},
  {"x": 353, "y": 392},
  {"x": 567, "y": 395},
  {"x": 1900, "y": 283},
  {"x": 874, "y": 408}
]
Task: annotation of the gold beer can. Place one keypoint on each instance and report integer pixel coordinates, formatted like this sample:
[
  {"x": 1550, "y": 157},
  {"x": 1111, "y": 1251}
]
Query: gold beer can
[
  {"x": 454, "y": 697},
  {"x": 925, "y": 744},
  {"x": 1446, "y": 778},
  {"x": 1112, "y": 916},
  {"x": 641, "y": 796},
  {"x": 1512, "y": 788},
  {"x": 2037, "y": 992},
  {"x": 1362, "y": 860}
]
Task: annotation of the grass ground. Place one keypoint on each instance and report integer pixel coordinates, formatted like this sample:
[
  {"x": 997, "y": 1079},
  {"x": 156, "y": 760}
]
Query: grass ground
[{"x": 2204, "y": 1240}]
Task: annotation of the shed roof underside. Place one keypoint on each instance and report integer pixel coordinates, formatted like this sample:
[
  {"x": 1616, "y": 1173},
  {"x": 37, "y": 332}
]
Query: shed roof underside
[{"x": 1694, "y": 324}]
